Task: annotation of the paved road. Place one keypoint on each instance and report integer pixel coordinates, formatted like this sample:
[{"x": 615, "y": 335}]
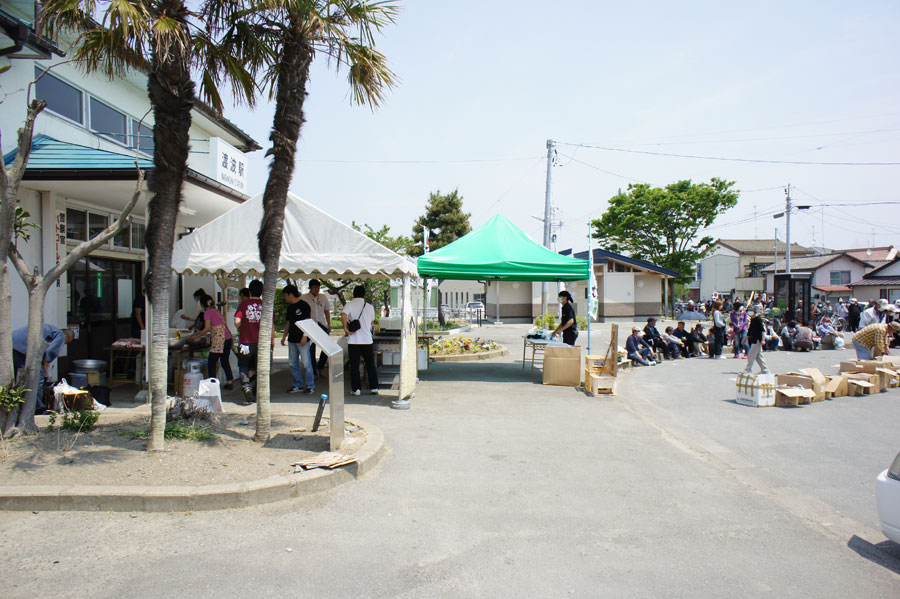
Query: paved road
[{"x": 497, "y": 486}]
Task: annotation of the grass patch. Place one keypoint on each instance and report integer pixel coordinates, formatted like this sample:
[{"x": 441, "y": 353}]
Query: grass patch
[{"x": 177, "y": 431}]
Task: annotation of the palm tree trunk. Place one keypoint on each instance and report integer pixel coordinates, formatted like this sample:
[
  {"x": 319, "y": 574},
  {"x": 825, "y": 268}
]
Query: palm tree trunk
[
  {"x": 171, "y": 93},
  {"x": 286, "y": 124}
]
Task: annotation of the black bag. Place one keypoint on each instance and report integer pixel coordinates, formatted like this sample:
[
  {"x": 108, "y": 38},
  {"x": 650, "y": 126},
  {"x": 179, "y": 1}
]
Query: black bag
[{"x": 354, "y": 325}]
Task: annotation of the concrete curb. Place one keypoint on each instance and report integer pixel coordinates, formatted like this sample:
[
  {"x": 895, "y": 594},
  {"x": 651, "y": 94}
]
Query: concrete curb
[
  {"x": 494, "y": 353},
  {"x": 102, "y": 498}
]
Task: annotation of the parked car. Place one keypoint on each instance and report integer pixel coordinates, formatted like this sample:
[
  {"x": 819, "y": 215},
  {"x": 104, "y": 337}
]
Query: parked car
[
  {"x": 473, "y": 309},
  {"x": 445, "y": 310},
  {"x": 887, "y": 494}
]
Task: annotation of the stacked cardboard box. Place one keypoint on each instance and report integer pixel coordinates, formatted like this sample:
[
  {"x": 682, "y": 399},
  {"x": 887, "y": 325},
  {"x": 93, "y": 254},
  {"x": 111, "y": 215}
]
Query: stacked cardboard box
[{"x": 596, "y": 379}]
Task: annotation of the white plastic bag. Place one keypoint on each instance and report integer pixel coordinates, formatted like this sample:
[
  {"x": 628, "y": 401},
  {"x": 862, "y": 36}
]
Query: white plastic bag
[{"x": 209, "y": 396}]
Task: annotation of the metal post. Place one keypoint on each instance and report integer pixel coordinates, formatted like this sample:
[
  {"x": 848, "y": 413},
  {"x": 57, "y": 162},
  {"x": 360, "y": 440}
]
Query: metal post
[
  {"x": 787, "y": 243},
  {"x": 544, "y": 287}
]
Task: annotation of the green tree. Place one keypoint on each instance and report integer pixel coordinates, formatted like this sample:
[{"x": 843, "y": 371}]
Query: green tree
[
  {"x": 343, "y": 31},
  {"x": 378, "y": 291},
  {"x": 445, "y": 220},
  {"x": 660, "y": 224},
  {"x": 168, "y": 41}
]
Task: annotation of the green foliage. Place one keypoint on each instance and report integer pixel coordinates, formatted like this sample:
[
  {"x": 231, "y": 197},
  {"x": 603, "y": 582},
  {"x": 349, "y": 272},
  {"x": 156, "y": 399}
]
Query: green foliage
[
  {"x": 82, "y": 420},
  {"x": 378, "y": 291},
  {"x": 660, "y": 224},
  {"x": 547, "y": 321},
  {"x": 581, "y": 323},
  {"x": 278, "y": 319},
  {"x": 11, "y": 396},
  {"x": 178, "y": 430},
  {"x": 445, "y": 220}
]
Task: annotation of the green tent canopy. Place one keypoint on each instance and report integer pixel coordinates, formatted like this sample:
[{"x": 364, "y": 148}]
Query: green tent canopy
[{"x": 500, "y": 251}]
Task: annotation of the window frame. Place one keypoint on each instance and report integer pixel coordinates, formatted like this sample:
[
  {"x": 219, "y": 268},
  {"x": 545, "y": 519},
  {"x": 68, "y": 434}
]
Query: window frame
[
  {"x": 126, "y": 134},
  {"x": 40, "y": 73}
]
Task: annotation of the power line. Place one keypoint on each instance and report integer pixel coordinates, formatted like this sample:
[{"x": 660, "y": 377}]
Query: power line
[
  {"x": 729, "y": 159},
  {"x": 466, "y": 161},
  {"x": 597, "y": 168},
  {"x": 845, "y": 134}
]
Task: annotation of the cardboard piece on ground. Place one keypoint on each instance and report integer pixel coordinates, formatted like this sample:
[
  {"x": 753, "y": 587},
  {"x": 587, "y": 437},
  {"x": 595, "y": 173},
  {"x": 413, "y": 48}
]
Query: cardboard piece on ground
[
  {"x": 869, "y": 366},
  {"x": 795, "y": 379},
  {"x": 872, "y": 379},
  {"x": 850, "y": 367},
  {"x": 819, "y": 381},
  {"x": 792, "y": 396},
  {"x": 836, "y": 386},
  {"x": 757, "y": 390},
  {"x": 891, "y": 361},
  {"x": 562, "y": 365},
  {"x": 859, "y": 387},
  {"x": 886, "y": 375}
]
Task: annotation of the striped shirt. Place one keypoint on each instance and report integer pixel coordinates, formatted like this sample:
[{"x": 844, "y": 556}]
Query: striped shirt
[{"x": 873, "y": 336}]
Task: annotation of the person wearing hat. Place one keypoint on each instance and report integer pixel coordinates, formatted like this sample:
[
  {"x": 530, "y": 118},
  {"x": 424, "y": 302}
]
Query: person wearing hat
[
  {"x": 756, "y": 335},
  {"x": 653, "y": 337},
  {"x": 829, "y": 334},
  {"x": 320, "y": 311},
  {"x": 638, "y": 349},
  {"x": 854, "y": 310},
  {"x": 841, "y": 309},
  {"x": 874, "y": 339},
  {"x": 873, "y": 315}
]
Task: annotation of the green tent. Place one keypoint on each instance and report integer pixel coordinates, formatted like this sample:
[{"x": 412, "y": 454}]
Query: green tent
[{"x": 500, "y": 251}]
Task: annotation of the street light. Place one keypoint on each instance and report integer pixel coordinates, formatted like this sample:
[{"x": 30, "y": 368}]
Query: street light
[{"x": 787, "y": 214}]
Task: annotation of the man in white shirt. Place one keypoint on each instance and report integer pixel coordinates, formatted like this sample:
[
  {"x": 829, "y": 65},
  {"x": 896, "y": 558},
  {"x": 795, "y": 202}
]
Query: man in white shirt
[
  {"x": 359, "y": 341},
  {"x": 320, "y": 311},
  {"x": 873, "y": 315}
]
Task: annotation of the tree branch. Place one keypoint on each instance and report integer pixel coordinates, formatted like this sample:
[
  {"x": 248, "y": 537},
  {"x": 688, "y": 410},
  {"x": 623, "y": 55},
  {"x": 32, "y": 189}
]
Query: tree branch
[
  {"x": 86, "y": 247},
  {"x": 23, "y": 149},
  {"x": 21, "y": 266}
]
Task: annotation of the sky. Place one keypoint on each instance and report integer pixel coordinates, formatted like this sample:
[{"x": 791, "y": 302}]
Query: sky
[{"x": 483, "y": 85}]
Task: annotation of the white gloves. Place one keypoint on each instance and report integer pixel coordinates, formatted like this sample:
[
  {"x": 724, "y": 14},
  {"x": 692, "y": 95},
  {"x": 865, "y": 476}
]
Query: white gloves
[{"x": 245, "y": 349}]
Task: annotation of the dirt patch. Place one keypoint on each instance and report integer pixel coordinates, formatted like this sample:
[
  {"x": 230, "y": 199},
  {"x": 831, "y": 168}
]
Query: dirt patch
[{"x": 109, "y": 455}]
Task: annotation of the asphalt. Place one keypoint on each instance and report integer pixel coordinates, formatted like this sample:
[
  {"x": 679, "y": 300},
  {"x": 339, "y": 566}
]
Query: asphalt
[{"x": 495, "y": 485}]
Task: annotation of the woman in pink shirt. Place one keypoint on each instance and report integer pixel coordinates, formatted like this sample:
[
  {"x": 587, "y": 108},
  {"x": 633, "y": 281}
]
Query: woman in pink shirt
[{"x": 220, "y": 340}]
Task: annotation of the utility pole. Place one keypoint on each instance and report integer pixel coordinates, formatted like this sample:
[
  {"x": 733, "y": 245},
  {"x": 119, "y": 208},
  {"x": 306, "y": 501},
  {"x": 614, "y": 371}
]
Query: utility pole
[
  {"x": 547, "y": 218},
  {"x": 776, "y": 257},
  {"x": 787, "y": 216}
]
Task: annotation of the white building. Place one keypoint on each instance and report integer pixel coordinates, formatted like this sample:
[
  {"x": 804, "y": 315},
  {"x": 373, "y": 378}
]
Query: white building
[{"x": 81, "y": 174}]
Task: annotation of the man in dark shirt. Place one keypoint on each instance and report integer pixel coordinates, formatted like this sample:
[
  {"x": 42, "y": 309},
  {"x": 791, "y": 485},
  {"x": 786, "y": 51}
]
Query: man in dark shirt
[
  {"x": 567, "y": 322},
  {"x": 653, "y": 337},
  {"x": 684, "y": 335},
  {"x": 638, "y": 349},
  {"x": 139, "y": 316},
  {"x": 298, "y": 344}
]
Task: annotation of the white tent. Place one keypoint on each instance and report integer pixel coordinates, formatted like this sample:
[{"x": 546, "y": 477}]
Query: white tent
[{"x": 315, "y": 244}]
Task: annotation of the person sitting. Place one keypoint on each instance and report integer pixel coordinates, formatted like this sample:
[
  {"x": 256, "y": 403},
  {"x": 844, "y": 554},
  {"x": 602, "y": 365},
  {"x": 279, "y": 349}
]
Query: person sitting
[
  {"x": 638, "y": 349},
  {"x": 699, "y": 341},
  {"x": 829, "y": 335},
  {"x": 685, "y": 337},
  {"x": 804, "y": 338},
  {"x": 672, "y": 345},
  {"x": 652, "y": 336},
  {"x": 771, "y": 337},
  {"x": 787, "y": 335}
]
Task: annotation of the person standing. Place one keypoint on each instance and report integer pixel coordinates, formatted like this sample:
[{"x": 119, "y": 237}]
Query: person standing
[
  {"x": 756, "y": 335},
  {"x": 854, "y": 310},
  {"x": 874, "y": 314},
  {"x": 718, "y": 330},
  {"x": 139, "y": 315},
  {"x": 739, "y": 326},
  {"x": 357, "y": 318},
  {"x": 55, "y": 339},
  {"x": 246, "y": 320},
  {"x": 298, "y": 344},
  {"x": 321, "y": 313},
  {"x": 220, "y": 340},
  {"x": 567, "y": 320}
]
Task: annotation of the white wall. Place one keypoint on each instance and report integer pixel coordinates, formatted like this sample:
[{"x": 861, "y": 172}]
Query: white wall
[{"x": 718, "y": 273}]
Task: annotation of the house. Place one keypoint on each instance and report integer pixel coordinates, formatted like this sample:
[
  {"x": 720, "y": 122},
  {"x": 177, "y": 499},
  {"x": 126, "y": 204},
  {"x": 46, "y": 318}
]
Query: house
[
  {"x": 876, "y": 256},
  {"x": 883, "y": 282},
  {"x": 81, "y": 173},
  {"x": 831, "y": 274},
  {"x": 735, "y": 266},
  {"x": 627, "y": 288}
]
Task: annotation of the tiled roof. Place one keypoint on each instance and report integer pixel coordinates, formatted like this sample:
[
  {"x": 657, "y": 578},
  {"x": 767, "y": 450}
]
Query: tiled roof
[
  {"x": 877, "y": 282},
  {"x": 48, "y": 154},
  {"x": 869, "y": 254},
  {"x": 761, "y": 246},
  {"x": 807, "y": 262}
]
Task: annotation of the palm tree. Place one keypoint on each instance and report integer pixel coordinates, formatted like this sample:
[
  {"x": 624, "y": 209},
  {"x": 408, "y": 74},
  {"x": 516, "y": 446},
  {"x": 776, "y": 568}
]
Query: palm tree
[
  {"x": 164, "y": 39},
  {"x": 298, "y": 30}
]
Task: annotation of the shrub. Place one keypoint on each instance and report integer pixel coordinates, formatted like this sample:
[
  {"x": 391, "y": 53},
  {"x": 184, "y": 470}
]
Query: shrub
[
  {"x": 82, "y": 420},
  {"x": 11, "y": 396}
]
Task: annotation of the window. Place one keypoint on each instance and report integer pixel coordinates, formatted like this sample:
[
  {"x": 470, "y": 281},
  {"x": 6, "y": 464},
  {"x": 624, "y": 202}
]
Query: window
[
  {"x": 108, "y": 121},
  {"x": 141, "y": 137},
  {"x": 76, "y": 224},
  {"x": 840, "y": 277},
  {"x": 137, "y": 236},
  {"x": 61, "y": 98},
  {"x": 123, "y": 239},
  {"x": 96, "y": 224}
]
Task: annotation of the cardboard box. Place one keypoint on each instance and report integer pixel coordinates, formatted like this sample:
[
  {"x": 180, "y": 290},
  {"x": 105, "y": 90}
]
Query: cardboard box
[
  {"x": 886, "y": 375},
  {"x": 791, "y": 396},
  {"x": 818, "y": 380},
  {"x": 869, "y": 366},
  {"x": 93, "y": 377},
  {"x": 850, "y": 367},
  {"x": 594, "y": 363},
  {"x": 857, "y": 387},
  {"x": 836, "y": 386},
  {"x": 872, "y": 379},
  {"x": 892, "y": 362},
  {"x": 757, "y": 390},
  {"x": 562, "y": 365}
]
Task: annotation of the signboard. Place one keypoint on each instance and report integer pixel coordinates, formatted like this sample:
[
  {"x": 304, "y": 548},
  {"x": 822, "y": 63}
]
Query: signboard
[
  {"x": 699, "y": 274},
  {"x": 229, "y": 165}
]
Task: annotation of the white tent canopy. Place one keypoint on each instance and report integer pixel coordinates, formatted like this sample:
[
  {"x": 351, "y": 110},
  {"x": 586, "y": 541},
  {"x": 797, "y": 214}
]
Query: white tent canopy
[{"x": 314, "y": 244}]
